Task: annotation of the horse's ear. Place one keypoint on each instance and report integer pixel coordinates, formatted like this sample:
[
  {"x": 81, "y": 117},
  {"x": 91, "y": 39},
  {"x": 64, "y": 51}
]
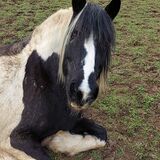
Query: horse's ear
[
  {"x": 113, "y": 8},
  {"x": 78, "y": 5}
]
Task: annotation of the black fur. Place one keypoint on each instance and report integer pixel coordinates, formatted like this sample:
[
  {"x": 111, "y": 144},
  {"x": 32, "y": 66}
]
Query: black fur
[
  {"x": 78, "y": 5},
  {"x": 46, "y": 107},
  {"x": 113, "y": 8},
  {"x": 93, "y": 20}
]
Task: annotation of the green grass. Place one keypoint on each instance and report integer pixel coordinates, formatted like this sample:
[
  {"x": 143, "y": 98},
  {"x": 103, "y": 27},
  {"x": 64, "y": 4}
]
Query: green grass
[{"x": 130, "y": 110}]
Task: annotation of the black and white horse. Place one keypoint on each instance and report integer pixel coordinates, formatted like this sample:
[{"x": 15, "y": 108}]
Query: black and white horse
[{"x": 61, "y": 65}]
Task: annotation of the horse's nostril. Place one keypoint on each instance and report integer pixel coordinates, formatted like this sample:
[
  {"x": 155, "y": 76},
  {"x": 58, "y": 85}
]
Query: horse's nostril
[
  {"x": 75, "y": 94},
  {"x": 73, "y": 88}
]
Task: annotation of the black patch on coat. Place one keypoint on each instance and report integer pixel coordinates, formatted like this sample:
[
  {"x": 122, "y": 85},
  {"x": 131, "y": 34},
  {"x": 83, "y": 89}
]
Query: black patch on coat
[{"x": 46, "y": 108}]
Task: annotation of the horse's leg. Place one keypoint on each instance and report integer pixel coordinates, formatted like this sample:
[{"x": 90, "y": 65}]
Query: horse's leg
[
  {"x": 29, "y": 145},
  {"x": 85, "y": 135},
  {"x": 88, "y": 126}
]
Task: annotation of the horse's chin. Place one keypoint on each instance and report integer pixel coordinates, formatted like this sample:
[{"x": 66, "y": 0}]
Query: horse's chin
[{"x": 78, "y": 107}]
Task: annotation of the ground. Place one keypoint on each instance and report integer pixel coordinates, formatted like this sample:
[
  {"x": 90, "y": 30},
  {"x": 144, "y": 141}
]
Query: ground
[{"x": 130, "y": 109}]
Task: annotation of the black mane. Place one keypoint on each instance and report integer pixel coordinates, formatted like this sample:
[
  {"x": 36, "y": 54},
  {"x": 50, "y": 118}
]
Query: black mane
[
  {"x": 95, "y": 19},
  {"x": 15, "y": 48}
]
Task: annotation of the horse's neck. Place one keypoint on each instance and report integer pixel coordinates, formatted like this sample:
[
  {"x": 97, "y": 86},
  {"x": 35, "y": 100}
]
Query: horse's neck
[{"x": 49, "y": 36}]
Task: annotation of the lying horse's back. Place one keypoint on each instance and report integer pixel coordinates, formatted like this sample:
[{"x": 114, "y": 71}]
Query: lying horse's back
[
  {"x": 10, "y": 61},
  {"x": 11, "y": 94},
  {"x": 15, "y": 48}
]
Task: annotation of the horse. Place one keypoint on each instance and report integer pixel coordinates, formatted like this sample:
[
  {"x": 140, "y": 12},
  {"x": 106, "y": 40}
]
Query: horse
[{"x": 47, "y": 79}]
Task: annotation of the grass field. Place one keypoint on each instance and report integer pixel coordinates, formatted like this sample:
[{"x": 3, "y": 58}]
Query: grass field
[{"x": 131, "y": 108}]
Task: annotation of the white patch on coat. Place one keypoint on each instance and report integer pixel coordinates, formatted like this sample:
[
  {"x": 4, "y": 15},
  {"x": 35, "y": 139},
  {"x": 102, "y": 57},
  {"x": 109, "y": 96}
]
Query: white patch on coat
[
  {"x": 49, "y": 36},
  {"x": 12, "y": 70},
  {"x": 72, "y": 144},
  {"x": 11, "y": 105},
  {"x": 6, "y": 156},
  {"x": 89, "y": 64},
  {"x": 46, "y": 39}
]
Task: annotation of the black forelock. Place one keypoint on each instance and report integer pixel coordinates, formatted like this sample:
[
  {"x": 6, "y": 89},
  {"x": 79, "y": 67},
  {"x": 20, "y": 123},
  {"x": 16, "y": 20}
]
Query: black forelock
[{"x": 95, "y": 19}]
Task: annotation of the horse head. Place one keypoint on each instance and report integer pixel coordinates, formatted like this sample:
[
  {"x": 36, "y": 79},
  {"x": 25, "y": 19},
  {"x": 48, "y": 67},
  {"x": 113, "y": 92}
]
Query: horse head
[{"x": 88, "y": 45}]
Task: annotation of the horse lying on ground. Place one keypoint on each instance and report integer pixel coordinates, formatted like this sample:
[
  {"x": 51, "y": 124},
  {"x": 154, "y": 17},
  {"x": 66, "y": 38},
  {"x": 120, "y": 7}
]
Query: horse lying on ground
[{"x": 59, "y": 66}]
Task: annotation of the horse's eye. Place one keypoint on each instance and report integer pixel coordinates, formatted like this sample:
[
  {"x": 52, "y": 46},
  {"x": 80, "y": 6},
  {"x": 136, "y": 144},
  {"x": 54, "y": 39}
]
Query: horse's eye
[{"x": 74, "y": 35}]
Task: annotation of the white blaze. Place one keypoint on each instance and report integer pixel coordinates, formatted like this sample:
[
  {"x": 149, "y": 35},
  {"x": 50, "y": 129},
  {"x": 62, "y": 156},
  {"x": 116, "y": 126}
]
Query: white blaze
[{"x": 89, "y": 63}]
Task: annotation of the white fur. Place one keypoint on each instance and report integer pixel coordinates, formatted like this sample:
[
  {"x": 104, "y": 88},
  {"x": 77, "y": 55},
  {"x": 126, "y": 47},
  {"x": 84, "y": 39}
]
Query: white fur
[
  {"x": 49, "y": 36},
  {"x": 9, "y": 153},
  {"x": 70, "y": 144},
  {"x": 11, "y": 106},
  {"x": 46, "y": 39},
  {"x": 89, "y": 64},
  {"x": 6, "y": 156}
]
